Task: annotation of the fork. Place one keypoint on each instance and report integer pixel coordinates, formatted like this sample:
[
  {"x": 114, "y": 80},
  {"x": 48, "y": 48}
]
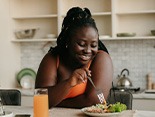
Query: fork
[{"x": 98, "y": 92}]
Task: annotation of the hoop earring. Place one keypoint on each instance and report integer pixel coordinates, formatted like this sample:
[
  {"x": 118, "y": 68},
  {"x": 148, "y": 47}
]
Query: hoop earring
[{"x": 66, "y": 46}]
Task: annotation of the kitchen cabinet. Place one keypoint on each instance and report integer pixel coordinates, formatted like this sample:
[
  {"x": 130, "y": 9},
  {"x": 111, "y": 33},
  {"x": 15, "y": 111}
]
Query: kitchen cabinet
[
  {"x": 112, "y": 17},
  {"x": 143, "y": 101},
  {"x": 40, "y": 14},
  {"x": 144, "y": 104}
]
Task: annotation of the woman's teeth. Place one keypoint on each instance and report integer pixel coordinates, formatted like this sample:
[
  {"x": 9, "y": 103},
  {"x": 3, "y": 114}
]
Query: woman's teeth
[{"x": 85, "y": 57}]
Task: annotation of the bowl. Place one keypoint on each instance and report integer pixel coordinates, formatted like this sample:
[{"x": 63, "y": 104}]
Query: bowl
[
  {"x": 126, "y": 34},
  {"x": 7, "y": 114},
  {"x": 25, "y": 33},
  {"x": 51, "y": 36},
  {"x": 153, "y": 32}
]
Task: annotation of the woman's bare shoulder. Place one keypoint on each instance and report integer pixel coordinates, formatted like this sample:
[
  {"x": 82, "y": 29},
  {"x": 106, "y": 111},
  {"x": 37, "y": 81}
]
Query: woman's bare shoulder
[
  {"x": 102, "y": 60},
  {"x": 48, "y": 60},
  {"x": 47, "y": 72},
  {"x": 102, "y": 55}
]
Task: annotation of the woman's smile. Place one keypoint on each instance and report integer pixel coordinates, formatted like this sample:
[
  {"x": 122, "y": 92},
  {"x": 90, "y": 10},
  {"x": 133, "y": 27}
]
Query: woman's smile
[{"x": 85, "y": 57}]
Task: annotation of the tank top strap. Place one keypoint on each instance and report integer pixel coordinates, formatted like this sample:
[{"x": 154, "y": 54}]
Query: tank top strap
[{"x": 89, "y": 63}]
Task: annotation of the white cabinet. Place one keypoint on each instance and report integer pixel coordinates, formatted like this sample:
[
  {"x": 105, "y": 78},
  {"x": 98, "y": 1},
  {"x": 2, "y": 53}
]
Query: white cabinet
[
  {"x": 100, "y": 9},
  {"x": 40, "y": 14},
  {"x": 112, "y": 17},
  {"x": 143, "y": 101},
  {"x": 134, "y": 16},
  {"x": 144, "y": 104}
]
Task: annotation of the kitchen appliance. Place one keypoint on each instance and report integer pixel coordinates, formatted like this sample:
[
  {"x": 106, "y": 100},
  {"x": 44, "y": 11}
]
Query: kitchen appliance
[{"x": 123, "y": 82}]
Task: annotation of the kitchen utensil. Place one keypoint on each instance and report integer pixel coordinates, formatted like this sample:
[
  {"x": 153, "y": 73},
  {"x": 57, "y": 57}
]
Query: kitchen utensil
[
  {"x": 98, "y": 92},
  {"x": 27, "y": 82},
  {"x": 126, "y": 34},
  {"x": 25, "y": 72},
  {"x": 153, "y": 32},
  {"x": 124, "y": 81},
  {"x": 7, "y": 114},
  {"x": 51, "y": 36},
  {"x": 25, "y": 33},
  {"x": 97, "y": 114}
]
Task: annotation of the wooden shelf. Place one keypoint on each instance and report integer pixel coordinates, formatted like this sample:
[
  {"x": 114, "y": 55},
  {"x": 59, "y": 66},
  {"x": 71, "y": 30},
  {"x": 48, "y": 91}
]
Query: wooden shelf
[
  {"x": 136, "y": 12},
  {"x": 111, "y": 16},
  {"x": 35, "y": 16},
  {"x": 106, "y": 39},
  {"x": 33, "y": 40}
]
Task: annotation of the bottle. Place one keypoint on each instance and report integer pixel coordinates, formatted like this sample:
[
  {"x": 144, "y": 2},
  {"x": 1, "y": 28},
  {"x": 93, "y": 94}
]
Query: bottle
[
  {"x": 149, "y": 81},
  {"x": 153, "y": 85}
]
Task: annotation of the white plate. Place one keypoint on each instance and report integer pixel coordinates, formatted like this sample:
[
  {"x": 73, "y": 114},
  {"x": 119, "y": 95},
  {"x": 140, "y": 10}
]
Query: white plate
[
  {"x": 7, "y": 114},
  {"x": 99, "y": 114},
  {"x": 27, "y": 82}
]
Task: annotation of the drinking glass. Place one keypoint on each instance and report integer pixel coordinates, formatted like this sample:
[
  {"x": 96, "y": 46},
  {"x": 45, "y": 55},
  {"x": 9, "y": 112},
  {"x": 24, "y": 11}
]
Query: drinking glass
[{"x": 41, "y": 102}]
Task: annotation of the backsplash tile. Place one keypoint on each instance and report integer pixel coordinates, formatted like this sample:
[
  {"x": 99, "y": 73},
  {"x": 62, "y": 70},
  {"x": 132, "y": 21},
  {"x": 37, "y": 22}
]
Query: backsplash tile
[{"x": 138, "y": 56}]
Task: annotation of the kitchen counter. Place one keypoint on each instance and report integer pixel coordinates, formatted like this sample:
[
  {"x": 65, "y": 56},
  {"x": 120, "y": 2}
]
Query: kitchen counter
[
  {"x": 144, "y": 101},
  {"x": 144, "y": 95},
  {"x": 70, "y": 112}
]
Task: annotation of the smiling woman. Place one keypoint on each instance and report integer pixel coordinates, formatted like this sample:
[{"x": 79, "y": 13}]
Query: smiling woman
[{"x": 79, "y": 53}]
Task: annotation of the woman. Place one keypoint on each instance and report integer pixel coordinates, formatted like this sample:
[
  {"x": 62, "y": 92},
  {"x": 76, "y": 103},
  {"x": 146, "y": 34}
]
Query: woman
[{"x": 79, "y": 53}]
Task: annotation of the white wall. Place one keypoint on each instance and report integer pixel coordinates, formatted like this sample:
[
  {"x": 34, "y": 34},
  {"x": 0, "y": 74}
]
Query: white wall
[{"x": 9, "y": 52}]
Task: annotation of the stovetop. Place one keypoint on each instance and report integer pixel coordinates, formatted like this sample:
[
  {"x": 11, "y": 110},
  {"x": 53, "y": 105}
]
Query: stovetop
[{"x": 131, "y": 89}]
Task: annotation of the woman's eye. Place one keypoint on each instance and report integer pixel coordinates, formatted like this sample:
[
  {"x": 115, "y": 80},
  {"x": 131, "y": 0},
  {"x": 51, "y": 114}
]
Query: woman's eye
[
  {"x": 81, "y": 44},
  {"x": 94, "y": 45}
]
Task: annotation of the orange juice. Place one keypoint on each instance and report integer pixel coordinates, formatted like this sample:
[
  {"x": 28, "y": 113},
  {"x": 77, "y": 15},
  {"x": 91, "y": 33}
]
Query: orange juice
[{"x": 41, "y": 105}]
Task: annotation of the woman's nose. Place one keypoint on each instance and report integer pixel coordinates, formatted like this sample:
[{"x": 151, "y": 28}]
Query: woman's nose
[{"x": 87, "y": 49}]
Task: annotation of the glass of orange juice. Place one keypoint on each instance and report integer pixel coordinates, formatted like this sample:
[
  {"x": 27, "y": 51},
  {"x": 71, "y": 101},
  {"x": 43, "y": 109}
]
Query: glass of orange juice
[{"x": 40, "y": 100}]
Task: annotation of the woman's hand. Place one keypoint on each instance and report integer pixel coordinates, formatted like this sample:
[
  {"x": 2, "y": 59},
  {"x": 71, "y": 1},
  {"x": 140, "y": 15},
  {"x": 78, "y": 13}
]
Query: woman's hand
[{"x": 79, "y": 76}]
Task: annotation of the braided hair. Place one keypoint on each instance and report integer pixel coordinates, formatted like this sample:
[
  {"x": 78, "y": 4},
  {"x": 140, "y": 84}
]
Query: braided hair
[{"x": 76, "y": 17}]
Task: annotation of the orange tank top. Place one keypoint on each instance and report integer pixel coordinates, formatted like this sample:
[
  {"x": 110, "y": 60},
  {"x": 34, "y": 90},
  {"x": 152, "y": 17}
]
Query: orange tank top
[{"x": 78, "y": 89}]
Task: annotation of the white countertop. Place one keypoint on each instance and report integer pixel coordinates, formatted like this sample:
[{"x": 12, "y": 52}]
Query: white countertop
[
  {"x": 68, "y": 112},
  {"x": 143, "y": 95}
]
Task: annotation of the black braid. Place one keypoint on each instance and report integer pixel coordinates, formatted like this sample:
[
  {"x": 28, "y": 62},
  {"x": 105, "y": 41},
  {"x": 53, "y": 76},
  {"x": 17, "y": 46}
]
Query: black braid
[{"x": 76, "y": 17}]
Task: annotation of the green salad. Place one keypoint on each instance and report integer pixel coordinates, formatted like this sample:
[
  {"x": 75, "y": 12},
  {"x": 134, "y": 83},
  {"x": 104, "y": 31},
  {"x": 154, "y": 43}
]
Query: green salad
[{"x": 117, "y": 107}]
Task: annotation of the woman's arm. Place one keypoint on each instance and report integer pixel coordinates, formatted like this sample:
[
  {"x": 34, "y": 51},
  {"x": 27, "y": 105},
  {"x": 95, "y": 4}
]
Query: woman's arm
[
  {"x": 101, "y": 74},
  {"x": 47, "y": 78}
]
